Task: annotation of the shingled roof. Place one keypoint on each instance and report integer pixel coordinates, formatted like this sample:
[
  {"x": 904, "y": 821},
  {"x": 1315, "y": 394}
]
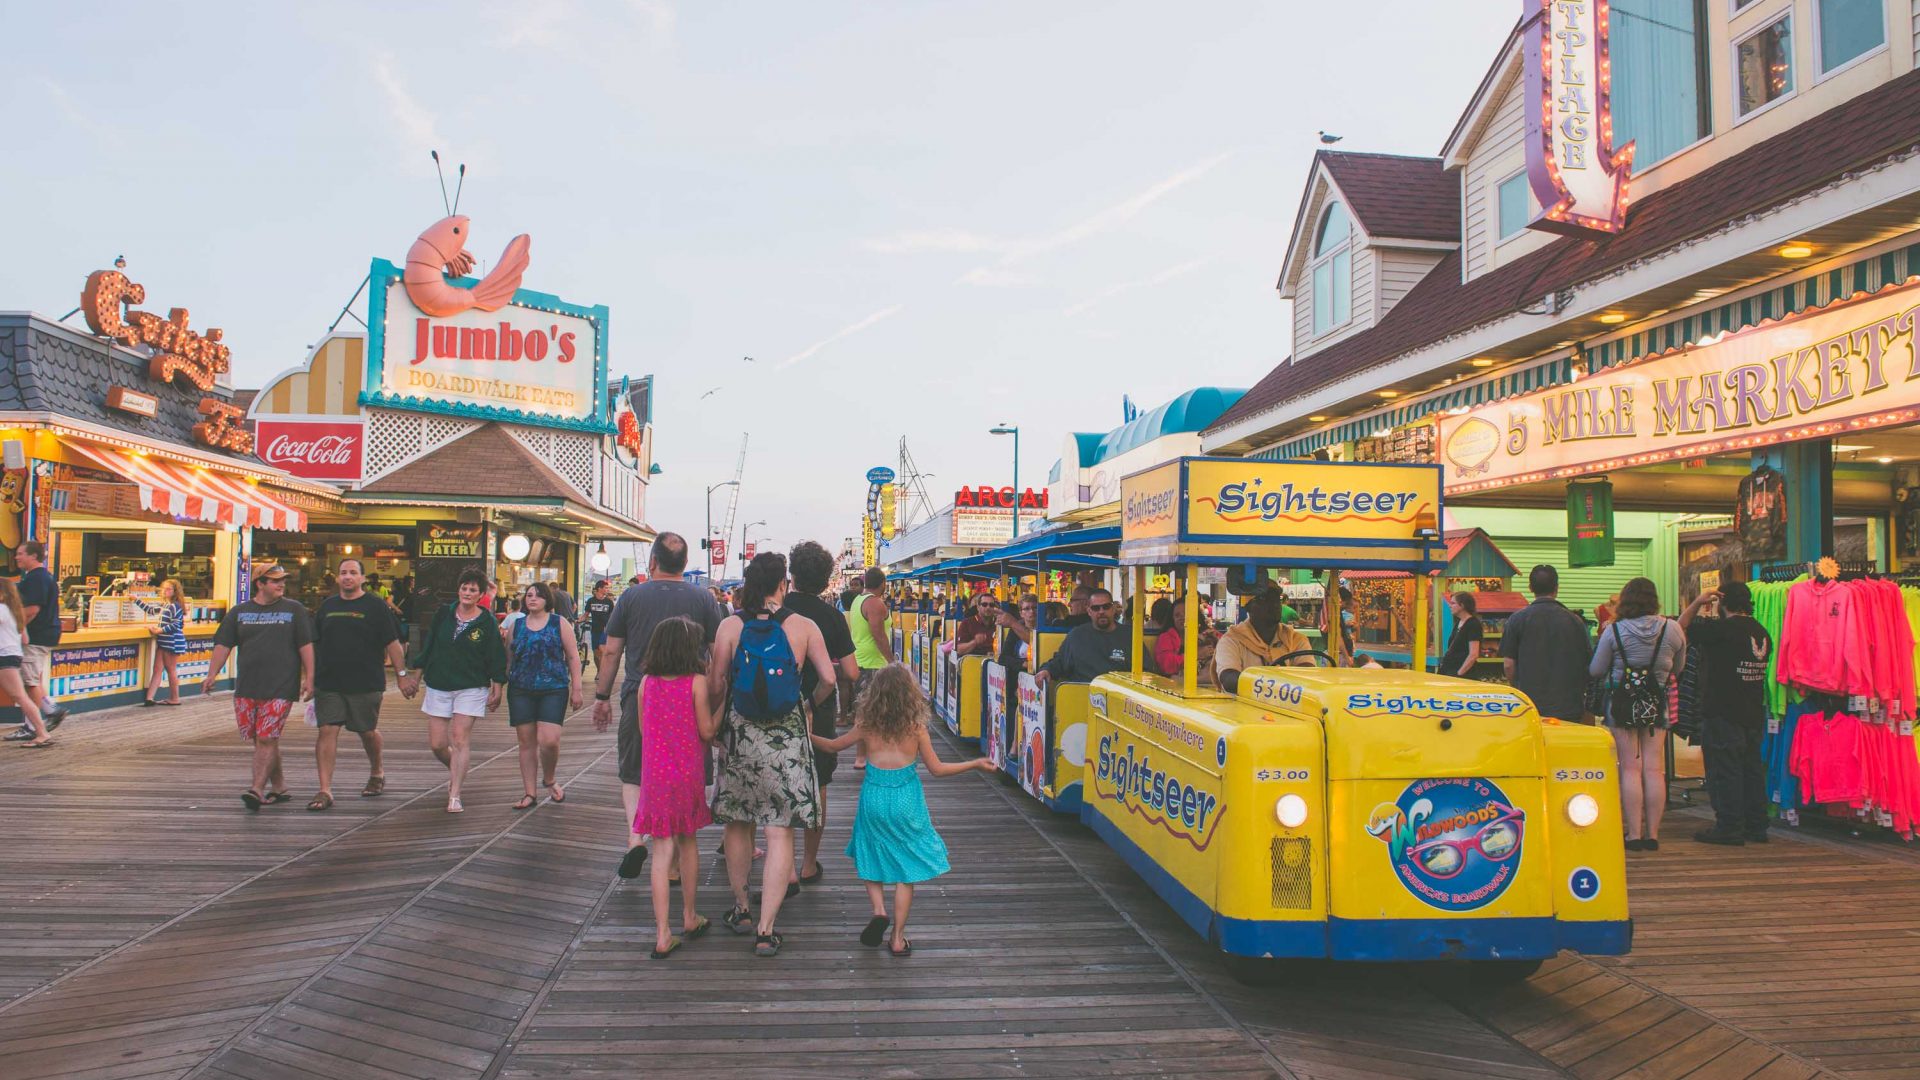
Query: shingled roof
[
  {"x": 1397, "y": 197},
  {"x": 486, "y": 463},
  {"x": 1867, "y": 130}
]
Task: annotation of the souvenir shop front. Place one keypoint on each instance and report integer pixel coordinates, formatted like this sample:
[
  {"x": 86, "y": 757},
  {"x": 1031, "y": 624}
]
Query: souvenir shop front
[{"x": 123, "y": 466}]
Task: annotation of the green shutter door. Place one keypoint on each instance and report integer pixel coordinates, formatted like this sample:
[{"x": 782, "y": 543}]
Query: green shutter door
[{"x": 1583, "y": 589}]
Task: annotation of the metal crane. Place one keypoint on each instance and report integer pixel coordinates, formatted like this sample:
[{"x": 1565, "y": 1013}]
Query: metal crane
[
  {"x": 912, "y": 491},
  {"x": 733, "y": 504}
]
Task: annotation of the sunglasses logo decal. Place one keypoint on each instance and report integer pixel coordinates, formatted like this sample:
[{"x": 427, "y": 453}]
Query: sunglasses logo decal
[{"x": 1453, "y": 842}]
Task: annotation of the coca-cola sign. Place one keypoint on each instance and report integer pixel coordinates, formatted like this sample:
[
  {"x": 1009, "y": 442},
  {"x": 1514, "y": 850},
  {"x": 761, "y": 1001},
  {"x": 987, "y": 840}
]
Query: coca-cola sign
[{"x": 312, "y": 449}]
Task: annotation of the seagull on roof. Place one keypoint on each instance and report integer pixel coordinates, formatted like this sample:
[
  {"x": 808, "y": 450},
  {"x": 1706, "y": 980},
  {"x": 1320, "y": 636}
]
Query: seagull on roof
[
  {"x": 709, "y": 393},
  {"x": 1329, "y": 140}
]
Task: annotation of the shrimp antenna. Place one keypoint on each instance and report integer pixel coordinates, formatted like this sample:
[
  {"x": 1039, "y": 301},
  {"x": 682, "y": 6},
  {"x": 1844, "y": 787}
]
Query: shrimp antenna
[
  {"x": 457, "y": 188},
  {"x": 443, "y": 181}
]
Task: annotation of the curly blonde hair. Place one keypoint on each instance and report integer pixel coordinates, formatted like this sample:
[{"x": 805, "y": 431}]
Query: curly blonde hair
[{"x": 892, "y": 709}]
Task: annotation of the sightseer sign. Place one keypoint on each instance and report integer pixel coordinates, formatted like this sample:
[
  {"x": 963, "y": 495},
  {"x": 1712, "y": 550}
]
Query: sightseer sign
[
  {"x": 1849, "y": 365},
  {"x": 1576, "y": 173},
  {"x": 486, "y": 348}
]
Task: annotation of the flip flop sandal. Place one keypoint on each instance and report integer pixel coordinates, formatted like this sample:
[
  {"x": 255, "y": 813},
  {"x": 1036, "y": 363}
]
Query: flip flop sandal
[
  {"x": 698, "y": 930},
  {"x": 559, "y": 793},
  {"x": 767, "y": 946},
  {"x": 739, "y": 920},
  {"x": 37, "y": 744},
  {"x": 275, "y": 798},
  {"x": 818, "y": 873},
  {"x": 322, "y": 801},
  {"x": 673, "y": 943},
  {"x": 634, "y": 861},
  {"x": 526, "y": 803},
  {"x": 252, "y": 799},
  {"x": 376, "y": 785},
  {"x": 876, "y": 931},
  {"x": 905, "y": 949},
  {"x": 454, "y": 807}
]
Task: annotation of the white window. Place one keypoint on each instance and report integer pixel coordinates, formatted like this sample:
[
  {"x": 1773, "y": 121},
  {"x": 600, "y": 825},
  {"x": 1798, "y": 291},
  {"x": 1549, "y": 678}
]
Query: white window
[
  {"x": 1763, "y": 67},
  {"x": 1848, "y": 30},
  {"x": 1332, "y": 270},
  {"x": 1515, "y": 208},
  {"x": 1660, "y": 95}
]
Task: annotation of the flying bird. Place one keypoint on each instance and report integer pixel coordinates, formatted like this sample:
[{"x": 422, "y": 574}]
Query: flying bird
[
  {"x": 747, "y": 359},
  {"x": 1329, "y": 140},
  {"x": 709, "y": 393}
]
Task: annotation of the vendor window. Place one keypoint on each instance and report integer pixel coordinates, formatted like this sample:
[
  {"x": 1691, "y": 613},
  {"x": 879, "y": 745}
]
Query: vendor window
[
  {"x": 1515, "y": 209},
  {"x": 1846, "y": 30},
  {"x": 1763, "y": 67}
]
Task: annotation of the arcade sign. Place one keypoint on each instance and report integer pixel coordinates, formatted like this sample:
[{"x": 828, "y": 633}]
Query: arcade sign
[
  {"x": 1576, "y": 174},
  {"x": 1000, "y": 498},
  {"x": 316, "y": 450}
]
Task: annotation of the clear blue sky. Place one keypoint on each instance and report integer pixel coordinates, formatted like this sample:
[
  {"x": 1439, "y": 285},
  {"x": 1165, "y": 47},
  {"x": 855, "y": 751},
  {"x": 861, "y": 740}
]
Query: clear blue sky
[{"x": 918, "y": 218}]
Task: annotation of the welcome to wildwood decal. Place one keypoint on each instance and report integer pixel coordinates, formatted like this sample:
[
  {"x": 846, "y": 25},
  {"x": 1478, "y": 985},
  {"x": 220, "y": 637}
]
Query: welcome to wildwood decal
[{"x": 1850, "y": 365}]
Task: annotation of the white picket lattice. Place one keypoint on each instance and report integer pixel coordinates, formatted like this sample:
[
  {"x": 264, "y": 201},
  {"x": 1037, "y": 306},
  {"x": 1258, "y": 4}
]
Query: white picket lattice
[
  {"x": 395, "y": 438},
  {"x": 571, "y": 455}
]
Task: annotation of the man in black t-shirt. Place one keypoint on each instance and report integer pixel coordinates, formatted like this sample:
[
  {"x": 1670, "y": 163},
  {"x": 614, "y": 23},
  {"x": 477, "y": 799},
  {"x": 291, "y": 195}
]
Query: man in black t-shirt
[
  {"x": 599, "y": 608},
  {"x": 810, "y": 566},
  {"x": 40, "y": 599},
  {"x": 354, "y": 637},
  {"x": 1732, "y": 653}
]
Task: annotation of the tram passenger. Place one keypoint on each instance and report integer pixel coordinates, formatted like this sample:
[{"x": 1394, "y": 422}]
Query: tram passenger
[
  {"x": 976, "y": 630},
  {"x": 1017, "y": 646},
  {"x": 1089, "y": 651},
  {"x": 1259, "y": 640}
]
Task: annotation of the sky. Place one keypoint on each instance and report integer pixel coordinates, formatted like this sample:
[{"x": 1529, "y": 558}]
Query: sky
[{"x": 919, "y": 220}]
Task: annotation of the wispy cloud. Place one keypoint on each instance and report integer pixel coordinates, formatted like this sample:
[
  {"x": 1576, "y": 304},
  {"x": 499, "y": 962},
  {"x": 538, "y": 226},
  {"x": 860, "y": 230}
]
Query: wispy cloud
[
  {"x": 1147, "y": 282},
  {"x": 79, "y": 117},
  {"x": 841, "y": 334},
  {"x": 915, "y": 242},
  {"x": 416, "y": 123},
  {"x": 1013, "y": 251},
  {"x": 562, "y": 25}
]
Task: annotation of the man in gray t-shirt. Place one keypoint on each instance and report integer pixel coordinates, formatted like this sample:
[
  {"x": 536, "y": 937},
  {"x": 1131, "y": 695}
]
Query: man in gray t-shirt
[
  {"x": 664, "y": 595},
  {"x": 1546, "y": 650}
]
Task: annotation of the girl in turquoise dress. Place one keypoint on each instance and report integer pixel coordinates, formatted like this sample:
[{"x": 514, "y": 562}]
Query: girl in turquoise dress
[{"x": 893, "y": 838}]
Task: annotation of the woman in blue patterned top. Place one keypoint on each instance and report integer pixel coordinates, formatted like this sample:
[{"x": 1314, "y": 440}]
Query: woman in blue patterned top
[
  {"x": 169, "y": 640},
  {"x": 543, "y": 685}
]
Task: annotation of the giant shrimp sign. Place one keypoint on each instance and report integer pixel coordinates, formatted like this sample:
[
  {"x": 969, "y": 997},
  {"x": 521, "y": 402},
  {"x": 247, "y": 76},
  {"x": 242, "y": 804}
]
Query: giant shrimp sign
[
  {"x": 1850, "y": 365},
  {"x": 481, "y": 348}
]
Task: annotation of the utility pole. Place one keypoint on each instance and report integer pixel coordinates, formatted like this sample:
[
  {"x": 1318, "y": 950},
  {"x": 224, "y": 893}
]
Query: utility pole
[{"x": 733, "y": 502}]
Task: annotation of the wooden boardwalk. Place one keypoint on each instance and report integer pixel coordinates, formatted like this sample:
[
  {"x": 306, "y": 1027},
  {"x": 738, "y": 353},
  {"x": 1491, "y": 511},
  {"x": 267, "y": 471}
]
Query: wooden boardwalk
[{"x": 151, "y": 927}]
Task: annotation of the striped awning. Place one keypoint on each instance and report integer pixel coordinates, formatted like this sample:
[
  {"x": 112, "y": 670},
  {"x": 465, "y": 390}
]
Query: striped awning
[{"x": 168, "y": 487}]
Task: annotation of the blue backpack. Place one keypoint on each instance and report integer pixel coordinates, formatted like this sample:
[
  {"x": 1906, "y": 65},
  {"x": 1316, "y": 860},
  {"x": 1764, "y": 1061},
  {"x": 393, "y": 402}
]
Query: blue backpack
[{"x": 765, "y": 677}]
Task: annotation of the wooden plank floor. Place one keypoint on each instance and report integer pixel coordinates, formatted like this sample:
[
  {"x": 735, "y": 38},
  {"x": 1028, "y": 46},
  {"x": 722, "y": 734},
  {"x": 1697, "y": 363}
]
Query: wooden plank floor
[{"x": 151, "y": 927}]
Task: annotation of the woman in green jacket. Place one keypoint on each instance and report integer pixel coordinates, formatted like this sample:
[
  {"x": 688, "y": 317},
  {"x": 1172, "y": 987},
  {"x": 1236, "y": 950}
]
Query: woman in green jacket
[{"x": 464, "y": 666}]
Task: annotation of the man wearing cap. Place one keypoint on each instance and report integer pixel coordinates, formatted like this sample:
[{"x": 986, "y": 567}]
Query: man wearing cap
[
  {"x": 1259, "y": 640},
  {"x": 275, "y": 639}
]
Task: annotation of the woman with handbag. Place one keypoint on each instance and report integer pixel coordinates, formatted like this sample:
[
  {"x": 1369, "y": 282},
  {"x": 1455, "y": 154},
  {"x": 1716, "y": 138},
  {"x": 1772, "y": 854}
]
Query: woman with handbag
[
  {"x": 1634, "y": 659},
  {"x": 169, "y": 641}
]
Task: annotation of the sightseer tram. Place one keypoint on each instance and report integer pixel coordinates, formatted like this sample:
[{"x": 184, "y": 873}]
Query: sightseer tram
[{"x": 1317, "y": 811}]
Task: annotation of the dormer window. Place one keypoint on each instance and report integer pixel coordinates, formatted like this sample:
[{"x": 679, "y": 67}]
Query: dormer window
[{"x": 1332, "y": 270}]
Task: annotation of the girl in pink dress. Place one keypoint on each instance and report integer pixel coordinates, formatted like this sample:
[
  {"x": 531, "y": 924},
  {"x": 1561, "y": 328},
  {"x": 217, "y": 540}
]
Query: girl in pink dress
[{"x": 676, "y": 724}]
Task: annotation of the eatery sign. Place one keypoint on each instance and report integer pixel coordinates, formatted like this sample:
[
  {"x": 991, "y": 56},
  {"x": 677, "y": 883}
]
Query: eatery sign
[
  {"x": 1576, "y": 173},
  {"x": 1844, "y": 367},
  {"x": 536, "y": 360}
]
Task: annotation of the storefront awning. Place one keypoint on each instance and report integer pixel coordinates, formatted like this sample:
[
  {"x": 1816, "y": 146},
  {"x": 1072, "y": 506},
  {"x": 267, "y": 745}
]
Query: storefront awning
[{"x": 189, "y": 492}]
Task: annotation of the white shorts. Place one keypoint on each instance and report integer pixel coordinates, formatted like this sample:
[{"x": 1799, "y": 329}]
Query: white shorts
[
  {"x": 35, "y": 662},
  {"x": 443, "y": 704}
]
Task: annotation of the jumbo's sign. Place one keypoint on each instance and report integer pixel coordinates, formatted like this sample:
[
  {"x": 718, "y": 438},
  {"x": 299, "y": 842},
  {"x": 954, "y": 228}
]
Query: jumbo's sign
[
  {"x": 481, "y": 348},
  {"x": 1849, "y": 365},
  {"x": 1575, "y": 172}
]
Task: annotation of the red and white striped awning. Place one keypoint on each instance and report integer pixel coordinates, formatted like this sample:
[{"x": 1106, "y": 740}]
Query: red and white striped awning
[{"x": 168, "y": 487}]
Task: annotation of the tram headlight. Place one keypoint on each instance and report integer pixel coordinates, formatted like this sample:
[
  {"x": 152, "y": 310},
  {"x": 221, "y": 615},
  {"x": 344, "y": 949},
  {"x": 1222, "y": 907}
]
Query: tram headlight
[
  {"x": 1583, "y": 810},
  {"x": 1291, "y": 810}
]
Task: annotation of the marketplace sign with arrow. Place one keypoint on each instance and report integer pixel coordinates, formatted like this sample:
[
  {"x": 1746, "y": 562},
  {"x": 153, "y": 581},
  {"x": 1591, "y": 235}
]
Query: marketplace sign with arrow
[{"x": 1577, "y": 175}]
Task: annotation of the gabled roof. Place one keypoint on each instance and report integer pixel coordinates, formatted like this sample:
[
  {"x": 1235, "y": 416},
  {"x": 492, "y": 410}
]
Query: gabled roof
[
  {"x": 1391, "y": 197},
  {"x": 485, "y": 463},
  {"x": 1486, "y": 98},
  {"x": 1866, "y": 130}
]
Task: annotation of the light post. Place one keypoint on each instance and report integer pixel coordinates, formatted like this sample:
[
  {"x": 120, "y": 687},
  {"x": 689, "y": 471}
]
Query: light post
[
  {"x": 743, "y": 544},
  {"x": 706, "y": 538},
  {"x": 1009, "y": 429}
]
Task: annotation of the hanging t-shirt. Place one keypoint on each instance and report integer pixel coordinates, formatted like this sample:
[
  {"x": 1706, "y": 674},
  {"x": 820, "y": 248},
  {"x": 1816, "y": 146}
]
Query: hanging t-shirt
[
  {"x": 1733, "y": 676},
  {"x": 1760, "y": 514}
]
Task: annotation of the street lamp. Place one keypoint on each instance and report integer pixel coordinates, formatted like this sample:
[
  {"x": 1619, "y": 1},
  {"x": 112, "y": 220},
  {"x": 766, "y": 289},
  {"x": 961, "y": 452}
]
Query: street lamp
[
  {"x": 706, "y": 538},
  {"x": 743, "y": 544},
  {"x": 1009, "y": 429}
]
